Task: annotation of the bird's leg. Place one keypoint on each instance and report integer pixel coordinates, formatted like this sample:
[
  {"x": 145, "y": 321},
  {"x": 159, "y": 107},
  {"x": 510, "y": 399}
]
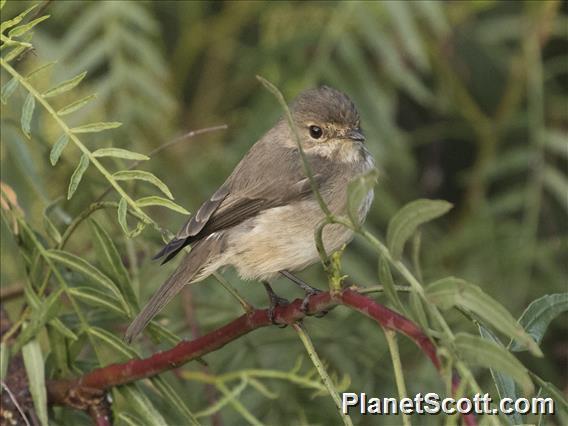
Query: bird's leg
[
  {"x": 307, "y": 288},
  {"x": 274, "y": 301}
]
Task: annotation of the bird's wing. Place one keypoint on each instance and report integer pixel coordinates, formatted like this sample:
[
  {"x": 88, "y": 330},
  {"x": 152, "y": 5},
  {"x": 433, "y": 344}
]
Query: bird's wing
[{"x": 259, "y": 182}]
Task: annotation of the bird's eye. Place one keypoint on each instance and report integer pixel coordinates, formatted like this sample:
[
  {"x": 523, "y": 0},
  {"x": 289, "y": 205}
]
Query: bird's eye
[{"x": 316, "y": 132}]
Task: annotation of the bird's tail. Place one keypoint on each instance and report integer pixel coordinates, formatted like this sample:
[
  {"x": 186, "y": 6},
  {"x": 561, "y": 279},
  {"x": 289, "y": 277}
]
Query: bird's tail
[{"x": 186, "y": 272}]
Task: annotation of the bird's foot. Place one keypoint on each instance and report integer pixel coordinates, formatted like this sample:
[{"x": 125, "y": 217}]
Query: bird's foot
[
  {"x": 304, "y": 307},
  {"x": 308, "y": 289},
  {"x": 274, "y": 302}
]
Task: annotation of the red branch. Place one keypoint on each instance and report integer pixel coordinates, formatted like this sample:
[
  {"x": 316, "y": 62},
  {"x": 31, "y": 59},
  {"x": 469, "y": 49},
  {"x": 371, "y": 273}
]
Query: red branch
[{"x": 136, "y": 369}]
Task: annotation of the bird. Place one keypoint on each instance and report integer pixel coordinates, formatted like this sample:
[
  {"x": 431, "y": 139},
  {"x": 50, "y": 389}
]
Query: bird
[{"x": 262, "y": 219}]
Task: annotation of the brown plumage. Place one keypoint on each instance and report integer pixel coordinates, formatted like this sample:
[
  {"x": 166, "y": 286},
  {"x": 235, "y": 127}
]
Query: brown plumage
[{"x": 262, "y": 219}]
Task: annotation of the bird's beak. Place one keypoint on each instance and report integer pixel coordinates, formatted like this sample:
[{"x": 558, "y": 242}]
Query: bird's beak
[{"x": 355, "y": 135}]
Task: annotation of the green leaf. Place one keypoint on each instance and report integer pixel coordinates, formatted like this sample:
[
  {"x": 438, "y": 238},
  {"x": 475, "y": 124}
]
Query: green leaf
[
  {"x": 40, "y": 69},
  {"x": 43, "y": 311},
  {"x": 2, "y": 3},
  {"x": 96, "y": 127},
  {"x": 358, "y": 190},
  {"x": 174, "y": 400},
  {"x": 477, "y": 351},
  {"x": 145, "y": 176},
  {"x": 77, "y": 175},
  {"x": 113, "y": 342},
  {"x": 417, "y": 309},
  {"x": 57, "y": 149},
  {"x": 95, "y": 297},
  {"x": 553, "y": 391},
  {"x": 15, "y": 21},
  {"x": 35, "y": 302},
  {"x": 538, "y": 315},
  {"x": 51, "y": 229},
  {"x": 4, "y": 360},
  {"x": 58, "y": 350},
  {"x": 555, "y": 141},
  {"x": 452, "y": 292},
  {"x": 22, "y": 29},
  {"x": 65, "y": 86},
  {"x": 33, "y": 362},
  {"x": 142, "y": 405},
  {"x": 111, "y": 261},
  {"x": 120, "y": 153},
  {"x": 81, "y": 265},
  {"x": 409, "y": 218},
  {"x": 385, "y": 278},
  {"x": 27, "y": 114},
  {"x": 8, "y": 89},
  {"x": 122, "y": 211},
  {"x": 128, "y": 419},
  {"x": 159, "y": 201},
  {"x": 504, "y": 383},
  {"x": 16, "y": 51},
  {"x": 557, "y": 185},
  {"x": 74, "y": 106}
]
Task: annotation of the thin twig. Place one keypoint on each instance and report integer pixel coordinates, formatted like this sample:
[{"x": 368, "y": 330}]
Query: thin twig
[
  {"x": 15, "y": 402},
  {"x": 305, "y": 338},
  {"x": 397, "y": 367}
]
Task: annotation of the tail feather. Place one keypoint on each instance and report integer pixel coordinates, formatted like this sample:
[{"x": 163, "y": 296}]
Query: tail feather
[
  {"x": 185, "y": 273},
  {"x": 171, "y": 249}
]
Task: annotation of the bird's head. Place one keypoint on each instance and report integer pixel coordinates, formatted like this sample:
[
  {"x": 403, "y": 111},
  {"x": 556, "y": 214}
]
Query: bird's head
[{"x": 328, "y": 123}]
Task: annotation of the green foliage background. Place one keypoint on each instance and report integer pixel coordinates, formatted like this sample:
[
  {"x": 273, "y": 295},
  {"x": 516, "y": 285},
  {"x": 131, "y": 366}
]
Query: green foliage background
[{"x": 461, "y": 101}]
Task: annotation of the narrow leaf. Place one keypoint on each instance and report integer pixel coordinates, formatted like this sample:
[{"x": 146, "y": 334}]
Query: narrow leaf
[
  {"x": 122, "y": 211},
  {"x": 386, "y": 280},
  {"x": 160, "y": 201},
  {"x": 74, "y": 106},
  {"x": 120, "y": 153},
  {"x": 96, "y": 127},
  {"x": 21, "y": 47},
  {"x": 22, "y": 29},
  {"x": 65, "y": 86},
  {"x": 113, "y": 342},
  {"x": 81, "y": 265},
  {"x": 453, "y": 292},
  {"x": 111, "y": 262},
  {"x": 145, "y": 176},
  {"x": 8, "y": 89},
  {"x": 40, "y": 69},
  {"x": 477, "y": 351},
  {"x": 506, "y": 387},
  {"x": 77, "y": 175},
  {"x": 43, "y": 311},
  {"x": 33, "y": 362},
  {"x": 406, "y": 220},
  {"x": 557, "y": 185},
  {"x": 27, "y": 113},
  {"x": 556, "y": 142},
  {"x": 4, "y": 360},
  {"x": 538, "y": 315},
  {"x": 95, "y": 297},
  {"x": 174, "y": 399},
  {"x": 142, "y": 405},
  {"x": 358, "y": 191},
  {"x": 15, "y": 21},
  {"x": 57, "y": 149},
  {"x": 35, "y": 303}
]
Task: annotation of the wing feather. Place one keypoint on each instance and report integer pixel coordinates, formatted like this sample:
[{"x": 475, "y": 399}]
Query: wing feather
[{"x": 257, "y": 183}]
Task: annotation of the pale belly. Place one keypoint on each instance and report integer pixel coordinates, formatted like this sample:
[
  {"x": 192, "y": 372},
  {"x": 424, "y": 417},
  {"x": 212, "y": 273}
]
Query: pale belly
[{"x": 283, "y": 238}]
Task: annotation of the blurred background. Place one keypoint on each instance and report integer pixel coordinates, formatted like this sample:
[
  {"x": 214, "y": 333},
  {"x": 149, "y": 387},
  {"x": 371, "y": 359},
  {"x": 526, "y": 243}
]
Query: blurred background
[{"x": 461, "y": 101}]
